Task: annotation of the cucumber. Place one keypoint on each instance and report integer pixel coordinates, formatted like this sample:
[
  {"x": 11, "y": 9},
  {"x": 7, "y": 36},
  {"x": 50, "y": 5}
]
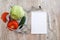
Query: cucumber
[{"x": 22, "y": 22}]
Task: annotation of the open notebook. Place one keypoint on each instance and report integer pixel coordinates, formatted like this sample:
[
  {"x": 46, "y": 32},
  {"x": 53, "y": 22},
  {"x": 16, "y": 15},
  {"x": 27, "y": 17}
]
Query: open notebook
[{"x": 38, "y": 22}]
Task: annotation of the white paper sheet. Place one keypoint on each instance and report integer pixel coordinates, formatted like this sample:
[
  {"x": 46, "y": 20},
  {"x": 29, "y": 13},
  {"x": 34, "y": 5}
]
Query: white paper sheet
[{"x": 38, "y": 22}]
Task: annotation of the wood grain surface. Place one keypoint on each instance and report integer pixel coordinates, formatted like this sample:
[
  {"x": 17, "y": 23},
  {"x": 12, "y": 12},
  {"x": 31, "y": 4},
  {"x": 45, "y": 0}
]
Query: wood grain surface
[{"x": 52, "y": 7}]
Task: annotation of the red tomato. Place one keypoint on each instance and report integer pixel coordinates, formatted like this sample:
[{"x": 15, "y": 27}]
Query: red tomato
[
  {"x": 12, "y": 25},
  {"x": 3, "y": 17}
]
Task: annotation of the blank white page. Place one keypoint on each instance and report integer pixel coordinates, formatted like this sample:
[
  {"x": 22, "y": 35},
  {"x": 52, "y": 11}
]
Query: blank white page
[{"x": 38, "y": 22}]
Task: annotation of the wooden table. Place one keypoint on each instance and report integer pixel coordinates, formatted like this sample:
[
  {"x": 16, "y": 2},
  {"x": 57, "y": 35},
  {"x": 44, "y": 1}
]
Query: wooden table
[{"x": 52, "y": 7}]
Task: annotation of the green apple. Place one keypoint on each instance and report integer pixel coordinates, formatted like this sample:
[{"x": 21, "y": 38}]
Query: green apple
[{"x": 17, "y": 12}]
